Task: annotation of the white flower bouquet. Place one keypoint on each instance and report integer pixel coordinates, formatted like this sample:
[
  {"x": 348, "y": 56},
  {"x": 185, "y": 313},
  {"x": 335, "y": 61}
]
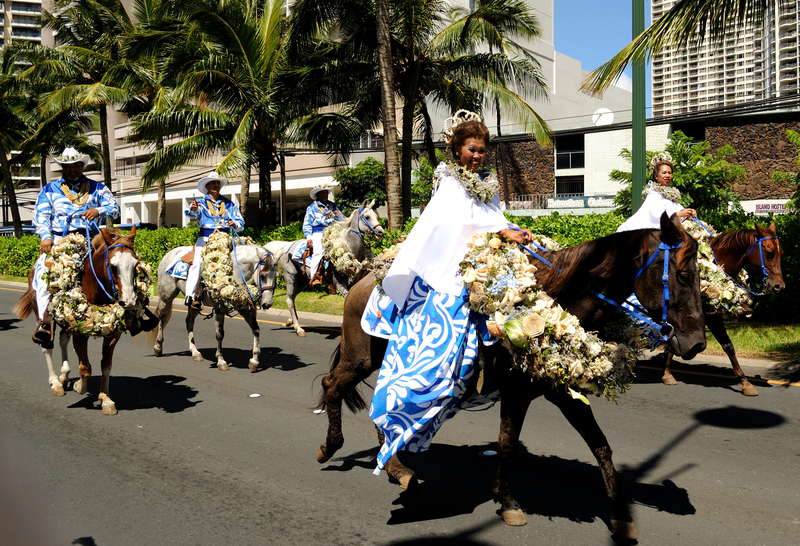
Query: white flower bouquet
[
  {"x": 217, "y": 272},
  {"x": 339, "y": 254}
]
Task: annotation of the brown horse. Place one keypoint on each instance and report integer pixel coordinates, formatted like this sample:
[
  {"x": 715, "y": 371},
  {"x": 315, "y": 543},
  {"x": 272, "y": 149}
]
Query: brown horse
[
  {"x": 760, "y": 249},
  {"x": 607, "y": 266},
  {"x": 112, "y": 252}
]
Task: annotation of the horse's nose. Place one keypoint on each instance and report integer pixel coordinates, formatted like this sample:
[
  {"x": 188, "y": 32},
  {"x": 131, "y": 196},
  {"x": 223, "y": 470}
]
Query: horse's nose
[{"x": 777, "y": 287}]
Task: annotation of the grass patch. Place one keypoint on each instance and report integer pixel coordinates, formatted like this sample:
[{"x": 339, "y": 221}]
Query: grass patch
[
  {"x": 760, "y": 340},
  {"x": 311, "y": 301},
  {"x": 10, "y": 278}
]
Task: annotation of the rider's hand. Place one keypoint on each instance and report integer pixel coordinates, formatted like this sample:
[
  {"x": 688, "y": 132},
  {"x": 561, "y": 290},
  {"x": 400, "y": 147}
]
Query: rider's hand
[
  {"x": 45, "y": 246},
  {"x": 193, "y": 205},
  {"x": 517, "y": 236},
  {"x": 91, "y": 214},
  {"x": 688, "y": 213},
  {"x": 309, "y": 243},
  {"x": 231, "y": 223}
]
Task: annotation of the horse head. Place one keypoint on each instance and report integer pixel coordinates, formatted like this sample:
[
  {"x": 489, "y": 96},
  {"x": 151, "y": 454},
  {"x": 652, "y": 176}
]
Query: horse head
[
  {"x": 676, "y": 303},
  {"x": 767, "y": 257},
  {"x": 259, "y": 266},
  {"x": 113, "y": 262},
  {"x": 367, "y": 220}
]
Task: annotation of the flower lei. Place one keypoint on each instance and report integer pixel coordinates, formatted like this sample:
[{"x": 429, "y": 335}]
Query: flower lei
[
  {"x": 545, "y": 340},
  {"x": 338, "y": 252},
  {"x": 721, "y": 295},
  {"x": 667, "y": 192},
  {"x": 217, "y": 273},
  {"x": 481, "y": 189},
  {"x": 68, "y": 304},
  {"x": 380, "y": 264}
]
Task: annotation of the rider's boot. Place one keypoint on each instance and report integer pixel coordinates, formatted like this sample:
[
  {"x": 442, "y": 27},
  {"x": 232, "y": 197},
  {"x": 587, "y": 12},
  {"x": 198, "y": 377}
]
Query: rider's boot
[
  {"x": 45, "y": 331},
  {"x": 316, "y": 280},
  {"x": 197, "y": 299}
]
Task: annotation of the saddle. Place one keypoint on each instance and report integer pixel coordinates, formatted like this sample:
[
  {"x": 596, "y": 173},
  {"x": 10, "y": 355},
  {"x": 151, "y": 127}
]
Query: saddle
[{"x": 189, "y": 256}]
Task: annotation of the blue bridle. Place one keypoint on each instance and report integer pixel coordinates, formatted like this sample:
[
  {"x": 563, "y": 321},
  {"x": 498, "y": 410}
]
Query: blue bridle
[
  {"x": 260, "y": 265},
  {"x": 114, "y": 293},
  {"x": 362, "y": 217}
]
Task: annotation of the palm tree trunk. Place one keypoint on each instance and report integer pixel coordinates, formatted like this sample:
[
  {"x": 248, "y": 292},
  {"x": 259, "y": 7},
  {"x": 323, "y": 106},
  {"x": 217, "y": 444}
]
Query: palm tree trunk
[
  {"x": 10, "y": 192},
  {"x": 407, "y": 157},
  {"x": 106, "y": 151},
  {"x": 244, "y": 194},
  {"x": 394, "y": 191},
  {"x": 428, "y": 134},
  {"x": 265, "y": 213},
  {"x": 162, "y": 192}
]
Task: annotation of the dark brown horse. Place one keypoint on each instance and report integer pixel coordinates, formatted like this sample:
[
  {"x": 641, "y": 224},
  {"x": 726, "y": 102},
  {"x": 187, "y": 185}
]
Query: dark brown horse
[
  {"x": 732, "y": 251},
  {"x": 608, "y": 266},
  {"x": 112, "y": 252}
]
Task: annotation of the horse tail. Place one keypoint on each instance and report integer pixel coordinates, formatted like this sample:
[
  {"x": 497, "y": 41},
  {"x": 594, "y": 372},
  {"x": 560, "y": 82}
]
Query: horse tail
[
  {"x": 24, "y": 306},
  {"x": 352, "y": 398},
  {"x": 153, "y": 334}
]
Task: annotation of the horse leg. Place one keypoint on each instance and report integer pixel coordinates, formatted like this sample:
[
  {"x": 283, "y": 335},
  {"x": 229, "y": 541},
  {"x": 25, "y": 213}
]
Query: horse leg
[
  {"x": 190, "y": 316},
  {"x": 513, "y": 408},
  {"x": 667, "y": 378},
  {"x": 163, "y": 312},
  {"x": 108, "y": 405},
  {"x": 582, "y": 419},
  {"x": 251, "y": 316},
  {"x": 219, "y": 323},
  {"x": 56, "y": 382},
  {"x": 63, "y": 341},
  {"x": 717, "y": 327},
  {"x": 291, "y": 293},
  {"x": 80, "y": 343},
  {"x": 398, "y": 472}
]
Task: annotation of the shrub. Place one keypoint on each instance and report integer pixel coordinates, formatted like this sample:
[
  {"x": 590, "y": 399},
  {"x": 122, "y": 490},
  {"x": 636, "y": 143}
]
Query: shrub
[{"x": 17, "y": 256}]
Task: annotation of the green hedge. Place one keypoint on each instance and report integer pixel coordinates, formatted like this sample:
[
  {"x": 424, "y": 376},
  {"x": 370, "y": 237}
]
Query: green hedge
[{"x": 18, "y": 255}]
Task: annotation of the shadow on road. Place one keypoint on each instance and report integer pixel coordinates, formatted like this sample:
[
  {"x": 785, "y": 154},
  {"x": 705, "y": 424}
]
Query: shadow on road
[
  {"x": 703, "y": 375},
  {"x": 132, "y": 393}
]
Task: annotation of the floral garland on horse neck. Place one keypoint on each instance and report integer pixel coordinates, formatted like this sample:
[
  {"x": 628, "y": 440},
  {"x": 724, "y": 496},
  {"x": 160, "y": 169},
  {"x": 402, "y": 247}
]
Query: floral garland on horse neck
[
  {"x": 338, "y": 252},
  {"x": 217, "y": 272},
  {"x": 68, "y": 304},
  {"x": 546, "y": 340},
  {"x": 721, "y": 295}
]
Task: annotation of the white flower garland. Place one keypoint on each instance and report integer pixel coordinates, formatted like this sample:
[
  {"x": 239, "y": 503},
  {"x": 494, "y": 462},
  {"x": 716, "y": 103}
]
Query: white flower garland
[
  {"x": 481, "y": 189},
  {"x": 217, "y": 272},
  {"x": 339, "y": 254},
  {"x": 68, "y": 304},
  {"x": 546, "y": 340},
  {"x": 667, "y": 192},
  {"x": 721, "y": 295}
]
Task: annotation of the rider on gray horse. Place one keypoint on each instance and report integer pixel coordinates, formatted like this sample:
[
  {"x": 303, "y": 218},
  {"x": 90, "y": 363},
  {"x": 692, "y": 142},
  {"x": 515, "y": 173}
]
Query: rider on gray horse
[
  {"x": 319, "y": 215},
  {"x": 212, "y": 212}
]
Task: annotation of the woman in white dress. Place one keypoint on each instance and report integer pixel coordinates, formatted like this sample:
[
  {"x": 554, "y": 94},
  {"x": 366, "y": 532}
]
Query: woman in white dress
[
  {"x": 659, "y": 197},
  {"x": 423, "y": 308}
]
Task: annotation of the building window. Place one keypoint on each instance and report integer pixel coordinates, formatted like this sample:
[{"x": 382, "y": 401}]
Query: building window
[
  {"x": 569, "y": 185},
  {"x": 569, "y": 152}
]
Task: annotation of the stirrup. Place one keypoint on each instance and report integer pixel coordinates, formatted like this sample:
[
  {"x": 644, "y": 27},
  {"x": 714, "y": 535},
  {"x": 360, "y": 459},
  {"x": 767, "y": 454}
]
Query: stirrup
[{"x": 43, "y": 336}]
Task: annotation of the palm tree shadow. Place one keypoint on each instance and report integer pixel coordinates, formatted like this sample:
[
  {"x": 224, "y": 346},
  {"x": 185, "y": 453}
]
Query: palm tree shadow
[{"x": 132, "y": 393}]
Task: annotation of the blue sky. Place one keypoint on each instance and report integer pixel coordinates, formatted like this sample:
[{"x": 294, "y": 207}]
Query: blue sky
[{"x": 592, "y": 31}]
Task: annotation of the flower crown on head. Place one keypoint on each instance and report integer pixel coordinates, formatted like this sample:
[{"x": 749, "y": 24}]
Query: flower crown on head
[
  {"x": 457, "y": 119},
  {"x": 660, "y": 157}
]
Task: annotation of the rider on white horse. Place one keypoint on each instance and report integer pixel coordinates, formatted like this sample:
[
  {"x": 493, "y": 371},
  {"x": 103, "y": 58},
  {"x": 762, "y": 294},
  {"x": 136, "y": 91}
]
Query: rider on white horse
[
  {"x": 319, "y": 215},
  {"x": 65, "y": 205},
  {"x": 212, "y": 212}
]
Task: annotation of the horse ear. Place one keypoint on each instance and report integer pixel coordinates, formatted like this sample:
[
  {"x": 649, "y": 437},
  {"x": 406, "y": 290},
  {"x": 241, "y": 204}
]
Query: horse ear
[
  {"x": 107, "y": 237},
  {"x": 132, "y": 234},
  {"x": 671, "y": 229},
  {"x": 371, "y": 204},
  {"x": 265, "y": 256}
]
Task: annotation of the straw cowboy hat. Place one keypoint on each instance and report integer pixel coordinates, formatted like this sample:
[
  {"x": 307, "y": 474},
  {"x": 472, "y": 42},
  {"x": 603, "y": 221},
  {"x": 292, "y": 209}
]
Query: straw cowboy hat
[
  {"x": 201, "y": 184},
  {"x": 318, "y": 189},
  {"x": 70, "y": 155}
]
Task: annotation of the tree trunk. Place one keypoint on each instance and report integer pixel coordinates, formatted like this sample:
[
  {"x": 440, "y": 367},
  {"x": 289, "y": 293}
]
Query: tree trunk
[
  {"x": 106, "y": 151},
  {"x": 429, "y": 135},
  {"x": 244, "y": 194},
  {"x": 407, "y": 157},
  {"x": 11, "y": 193},
  {"x": 266, "y": 214},
  {"x": 162, "y": 193},
  {"x": 393, "y": 188}
]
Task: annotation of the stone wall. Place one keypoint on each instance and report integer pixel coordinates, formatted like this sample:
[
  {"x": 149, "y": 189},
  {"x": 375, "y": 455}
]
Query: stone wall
[
  {"x": 525, "y": 167},
  {"x": 761, "y": 148}
]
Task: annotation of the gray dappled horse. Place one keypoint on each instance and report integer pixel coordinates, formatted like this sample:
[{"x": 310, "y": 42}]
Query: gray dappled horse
[
  {"x": 361, "y": 222},
  {"x": 257, "y": 265}
]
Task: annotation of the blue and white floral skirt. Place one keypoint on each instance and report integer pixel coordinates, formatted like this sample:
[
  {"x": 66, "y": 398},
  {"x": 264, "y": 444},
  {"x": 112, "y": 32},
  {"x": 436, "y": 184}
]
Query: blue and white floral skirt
[{"x": 427, "y": 367}]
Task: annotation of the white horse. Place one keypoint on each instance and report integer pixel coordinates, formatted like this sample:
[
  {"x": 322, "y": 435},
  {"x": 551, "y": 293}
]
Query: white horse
[
  {"x": 256, "y": 265},
  {"x": 361, "y": 222}
]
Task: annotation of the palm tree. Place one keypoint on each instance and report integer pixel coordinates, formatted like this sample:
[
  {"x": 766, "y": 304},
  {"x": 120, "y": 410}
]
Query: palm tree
[
  {"x": 687, "y": 22},
  {"x": 434, "y": 61}
]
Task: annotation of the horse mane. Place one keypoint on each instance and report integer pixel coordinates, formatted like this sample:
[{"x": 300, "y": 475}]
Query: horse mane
[
  {"x": 98, "y": 240},
  {"x": 577, "y": 269},
  {"x": 741, "y": 237}
]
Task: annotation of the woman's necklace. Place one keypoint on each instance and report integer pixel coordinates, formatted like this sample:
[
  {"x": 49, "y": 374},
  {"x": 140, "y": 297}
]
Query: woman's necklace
[
  {"x": 81, "y": 197},
  {"x": 482, "y": 189},
  {"x": 667, "y": 192}
]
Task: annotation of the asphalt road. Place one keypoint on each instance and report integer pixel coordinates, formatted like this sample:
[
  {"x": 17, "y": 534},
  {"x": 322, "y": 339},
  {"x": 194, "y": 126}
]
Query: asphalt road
[{"x": 193, "y": 459}]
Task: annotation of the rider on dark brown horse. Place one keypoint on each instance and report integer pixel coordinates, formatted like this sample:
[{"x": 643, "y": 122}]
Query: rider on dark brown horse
[{"x": 64, "y": 206}]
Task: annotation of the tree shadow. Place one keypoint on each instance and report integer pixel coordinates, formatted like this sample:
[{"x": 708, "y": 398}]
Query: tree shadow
[
  {"x": 9, "y": 324},
  {"x": 132, "y": 393},
  {"x": 788, "y": 372}
]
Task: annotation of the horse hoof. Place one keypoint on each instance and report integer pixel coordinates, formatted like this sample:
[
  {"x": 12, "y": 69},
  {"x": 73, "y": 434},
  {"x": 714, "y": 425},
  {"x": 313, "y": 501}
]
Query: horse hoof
[
  {"x": 668, "y": 380},
  {"x": 624, "y": 529},
  {"x": 515, "y": 518},
  {"x": 197, "y": 358},
  {"x": 321, "y": 456},
  {"x": 109, "y": 408},
  {"x": 79, "y": 386},
  {"x": 58, "y": 390},
  {"x": 301, "y": 333},
  {"x": 157, "y": 352},
  {"x": 289, "y": 322},
  {"x": 253, "y": 365},
  {"x": 408, "y": 482},
  {"x": 222, "y": 366},
  {"x": 749, "y": 390}
]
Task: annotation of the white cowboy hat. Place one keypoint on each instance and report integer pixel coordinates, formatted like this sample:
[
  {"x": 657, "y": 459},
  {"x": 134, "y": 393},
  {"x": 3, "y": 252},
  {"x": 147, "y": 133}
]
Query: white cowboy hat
[
  {"x": 318, "y": 189},
  {"x": 71, "y": 155},
  {"x": 201, "y": 184}
]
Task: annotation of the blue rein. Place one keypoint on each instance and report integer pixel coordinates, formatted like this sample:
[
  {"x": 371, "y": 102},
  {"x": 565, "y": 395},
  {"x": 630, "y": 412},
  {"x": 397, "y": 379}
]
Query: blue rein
[
  {"x": 362, "y": 217},
  {"x": 114, "y": 293},
  {"x": 260, "y": 264}
]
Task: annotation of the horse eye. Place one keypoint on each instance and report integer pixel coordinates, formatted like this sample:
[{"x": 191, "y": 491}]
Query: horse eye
[
  {"x": 684, "y": 278},
  {"x": 769, "y": 254}
]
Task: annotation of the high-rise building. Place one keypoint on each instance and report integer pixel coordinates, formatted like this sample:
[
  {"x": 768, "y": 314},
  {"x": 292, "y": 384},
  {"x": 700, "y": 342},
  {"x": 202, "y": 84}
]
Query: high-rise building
[
  {"x": 20, "y": 21},
  {"x": 776, "y": 53}
]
